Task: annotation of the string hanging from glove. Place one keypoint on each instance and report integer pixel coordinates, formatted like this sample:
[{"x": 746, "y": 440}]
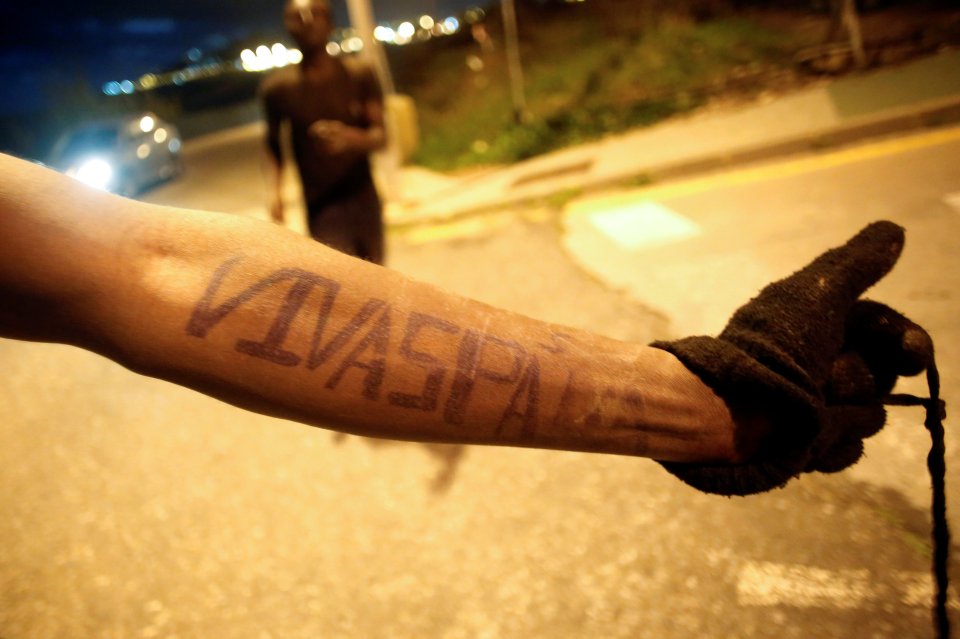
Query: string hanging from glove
[{"x": 936, "y": 464}]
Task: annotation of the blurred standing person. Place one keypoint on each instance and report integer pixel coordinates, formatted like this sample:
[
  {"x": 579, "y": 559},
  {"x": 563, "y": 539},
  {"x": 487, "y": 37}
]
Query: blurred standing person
[{"x": 334, "y": 108}]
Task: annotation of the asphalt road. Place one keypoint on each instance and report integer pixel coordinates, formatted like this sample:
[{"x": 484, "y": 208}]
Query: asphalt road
[{"x": 134, "y": 508}]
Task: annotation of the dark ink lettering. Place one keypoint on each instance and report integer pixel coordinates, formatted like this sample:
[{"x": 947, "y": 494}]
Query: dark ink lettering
[
  {"x": 564, "y": 408},
  {"x": 463, "y": 378},
  {"x": 558, "y": 343},
  {"x": 377, "y": 339},
  {"x": 269, "y": 348},
  {"x": 582, "y": 403},
  {"x": 530, "y": 386},
  {"x": 436, "y": 370},
  {"x": 205, "y": 317},
  {"x": 469, "y": 369},
  {"x": 320, "y": 355}
]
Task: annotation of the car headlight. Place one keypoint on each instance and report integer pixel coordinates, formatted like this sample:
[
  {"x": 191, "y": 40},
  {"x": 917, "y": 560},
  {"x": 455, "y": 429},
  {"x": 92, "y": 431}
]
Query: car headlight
[{"x": 95, "y": 172}]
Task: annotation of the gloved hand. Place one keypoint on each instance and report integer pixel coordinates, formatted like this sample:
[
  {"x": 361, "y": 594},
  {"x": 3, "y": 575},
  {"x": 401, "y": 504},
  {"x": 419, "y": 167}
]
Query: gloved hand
[{"x": 812, "y": 358}]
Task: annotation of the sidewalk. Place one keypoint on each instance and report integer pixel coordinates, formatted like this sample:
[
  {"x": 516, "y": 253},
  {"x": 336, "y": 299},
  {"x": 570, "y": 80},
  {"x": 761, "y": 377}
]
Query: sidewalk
[{"x": 921, "y": 94}]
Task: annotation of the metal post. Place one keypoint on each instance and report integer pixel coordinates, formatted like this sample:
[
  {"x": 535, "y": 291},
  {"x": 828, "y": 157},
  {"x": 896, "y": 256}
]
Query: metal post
[
  {"x": 388, "y": 161},
  {"x": 514, "y": 67},
  {"x": 361, "y": 19}
]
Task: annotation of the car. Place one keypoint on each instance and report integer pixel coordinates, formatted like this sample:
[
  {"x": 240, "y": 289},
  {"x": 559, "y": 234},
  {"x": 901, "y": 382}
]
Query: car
[{"x": 124, "y": 155}]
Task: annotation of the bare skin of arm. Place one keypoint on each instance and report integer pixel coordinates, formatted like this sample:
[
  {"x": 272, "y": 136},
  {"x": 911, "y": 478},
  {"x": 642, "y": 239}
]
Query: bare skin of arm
[
  {"x": 272, "y": 322},
  {"x": 273, "y": 163}
]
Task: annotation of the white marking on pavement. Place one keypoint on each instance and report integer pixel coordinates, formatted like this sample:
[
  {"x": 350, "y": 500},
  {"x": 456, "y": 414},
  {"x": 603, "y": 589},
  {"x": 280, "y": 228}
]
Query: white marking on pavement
[
  {"x": 764, "y": 583},
  {"x": 643, "y": 224},
  {"x": 953, "y": 200},
  {"x": 916, "y": 589},
  {"x": 770, "y": 584}
]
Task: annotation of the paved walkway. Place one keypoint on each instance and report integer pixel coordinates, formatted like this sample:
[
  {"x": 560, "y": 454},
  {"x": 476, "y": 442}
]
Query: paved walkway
[{"x": 921, "y": 94}]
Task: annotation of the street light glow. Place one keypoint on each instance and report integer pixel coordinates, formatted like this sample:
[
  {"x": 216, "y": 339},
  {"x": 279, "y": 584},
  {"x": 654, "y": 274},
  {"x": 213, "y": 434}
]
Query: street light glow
[
  {"x": 280, "y": 55},
  {"x": 147, "y": 123},
  {"x": 352, "y": 45},
  {"x": 384, "y": 34},
  {"x": 95, "y": 172},
  {"x": 451, "y": 25}
]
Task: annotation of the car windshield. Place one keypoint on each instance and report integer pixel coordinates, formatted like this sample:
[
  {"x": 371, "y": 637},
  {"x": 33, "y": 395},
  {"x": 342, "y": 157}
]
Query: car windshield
[{"x": 92, "y": 138}]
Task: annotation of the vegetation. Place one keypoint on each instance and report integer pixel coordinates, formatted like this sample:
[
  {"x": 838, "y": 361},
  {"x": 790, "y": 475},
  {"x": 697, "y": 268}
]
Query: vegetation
[{"x": 590, "y": 69}]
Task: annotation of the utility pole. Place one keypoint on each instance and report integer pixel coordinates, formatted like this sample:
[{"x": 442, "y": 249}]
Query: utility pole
[
  {"x": 361, "y": 19},
  {"x": 514, "y": 67},
  {"x": 387, "y": 162},
  {"x": 851, "y": 20}
]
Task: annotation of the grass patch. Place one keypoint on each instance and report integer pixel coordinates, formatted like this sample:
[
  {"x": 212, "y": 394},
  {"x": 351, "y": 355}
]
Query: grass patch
[{"x": 582, "y": 82}]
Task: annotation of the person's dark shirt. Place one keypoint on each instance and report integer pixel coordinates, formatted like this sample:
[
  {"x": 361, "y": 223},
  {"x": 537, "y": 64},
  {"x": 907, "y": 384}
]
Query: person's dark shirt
[{"x": 288, "y": 94}]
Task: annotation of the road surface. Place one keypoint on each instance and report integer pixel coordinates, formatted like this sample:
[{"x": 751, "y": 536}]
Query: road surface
[{"x": 134, "y": 508}]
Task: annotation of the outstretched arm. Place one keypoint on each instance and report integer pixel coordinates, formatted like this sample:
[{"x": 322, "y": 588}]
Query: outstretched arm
[{"x": 269, "y": 321}]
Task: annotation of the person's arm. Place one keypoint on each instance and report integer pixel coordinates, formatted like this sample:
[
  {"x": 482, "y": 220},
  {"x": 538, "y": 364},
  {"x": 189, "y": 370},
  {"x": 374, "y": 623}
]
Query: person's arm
[
  {"x": 273, "y": 158},
  {"x": 338, "y": 137},
  {"x": 262, "y": 318}
]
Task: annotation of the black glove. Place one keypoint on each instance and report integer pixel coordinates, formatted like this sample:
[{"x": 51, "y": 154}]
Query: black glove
[{"x": 815, "y": 359}]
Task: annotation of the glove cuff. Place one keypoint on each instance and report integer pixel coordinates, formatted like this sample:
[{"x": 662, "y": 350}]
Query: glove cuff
[{"x": 740, "y": 380}]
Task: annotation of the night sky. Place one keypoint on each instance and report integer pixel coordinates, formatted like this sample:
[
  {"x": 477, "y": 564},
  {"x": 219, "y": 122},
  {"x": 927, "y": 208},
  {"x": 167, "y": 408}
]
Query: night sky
[{"x": 46, "y": 43}]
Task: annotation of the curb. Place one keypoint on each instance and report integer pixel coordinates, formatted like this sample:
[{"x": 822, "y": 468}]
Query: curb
[
  {"x": 918, "y": 117},
  {"x": 927, "y": 115}
]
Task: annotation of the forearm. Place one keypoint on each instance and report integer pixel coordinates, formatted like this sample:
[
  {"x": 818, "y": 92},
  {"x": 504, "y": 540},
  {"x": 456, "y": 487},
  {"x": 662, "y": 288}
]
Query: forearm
[
  {"x": 295, "y": 329},
  {"x": 60, "y": 247},
  {"x": 276, "y": 323}
]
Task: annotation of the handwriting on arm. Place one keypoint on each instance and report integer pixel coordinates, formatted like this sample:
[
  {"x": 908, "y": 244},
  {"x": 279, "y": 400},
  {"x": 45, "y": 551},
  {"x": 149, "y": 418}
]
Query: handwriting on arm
[{"x": 475, "y": 362}]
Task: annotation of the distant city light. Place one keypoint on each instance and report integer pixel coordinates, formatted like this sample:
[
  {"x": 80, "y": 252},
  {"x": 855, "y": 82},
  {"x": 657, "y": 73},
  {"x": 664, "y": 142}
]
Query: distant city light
[
  {"x": 147, "y": 123},
  {"x": 352, "y": 45},
  {"x": 385, "y": 34},
  {"x": 143, "y": 151},
  {"x": 266, "y": 56},
  {"x": 160, "y": 135},
  {"x": 406, "y": 30},
  {"x": 280, "y": 55},
  {"x": 249, "y": 60},
  {"x": 451, "y": 25}
]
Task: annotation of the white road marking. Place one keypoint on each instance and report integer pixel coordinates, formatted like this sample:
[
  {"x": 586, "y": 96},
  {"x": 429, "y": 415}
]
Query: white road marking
[
  {"x": 916, "y": 589},
  {"x": 643, "y": 224},
  {"x": 771, "y": 584},
  {"x": 763, "y": 583}
]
